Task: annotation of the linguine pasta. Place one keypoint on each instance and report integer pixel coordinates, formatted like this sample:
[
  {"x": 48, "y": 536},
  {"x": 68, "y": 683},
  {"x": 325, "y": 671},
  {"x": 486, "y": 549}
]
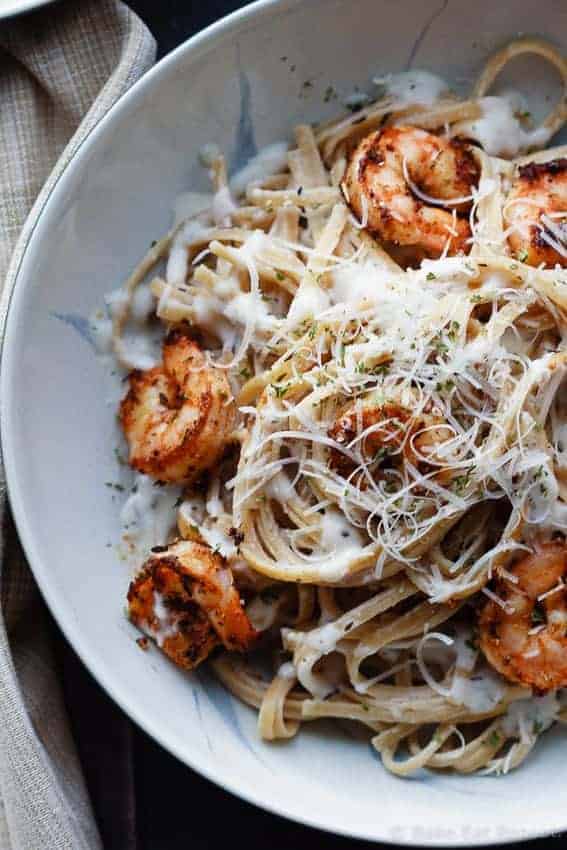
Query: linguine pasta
[{"x": 401, "y": 435}]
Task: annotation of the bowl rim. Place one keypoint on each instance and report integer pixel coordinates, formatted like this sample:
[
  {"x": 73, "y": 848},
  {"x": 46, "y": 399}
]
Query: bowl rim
[
  {"x": 228, "y": 25},
  {"x": 20, "y": 7}
]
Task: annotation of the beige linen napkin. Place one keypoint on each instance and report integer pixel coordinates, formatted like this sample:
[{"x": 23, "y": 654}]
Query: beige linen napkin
[{"x": 61, "y": 68}]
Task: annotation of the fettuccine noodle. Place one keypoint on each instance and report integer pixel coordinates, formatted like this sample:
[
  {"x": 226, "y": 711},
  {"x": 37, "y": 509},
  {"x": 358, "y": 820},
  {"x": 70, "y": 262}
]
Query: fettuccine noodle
[{"x": 400, "y": 435}]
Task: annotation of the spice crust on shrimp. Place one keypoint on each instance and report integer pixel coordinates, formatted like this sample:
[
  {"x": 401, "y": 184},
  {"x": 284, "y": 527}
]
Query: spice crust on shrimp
[
  {"x": 526, "y": 640},
  {"x": 536, "y": 210},
  {"x": 389, "y": 433},
  {"x": 177, "y": 417},
  {"x": 185, "y": 599},
  {"x": 380, "y": 181}
]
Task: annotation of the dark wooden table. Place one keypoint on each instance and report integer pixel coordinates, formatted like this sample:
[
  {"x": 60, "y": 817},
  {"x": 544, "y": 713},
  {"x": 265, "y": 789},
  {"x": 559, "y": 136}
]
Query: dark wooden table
[{"x": 143, "y": 797}]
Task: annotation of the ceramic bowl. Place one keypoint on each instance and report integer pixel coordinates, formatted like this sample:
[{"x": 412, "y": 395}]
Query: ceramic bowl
[
  {"x": 10, "y": 8},
  {"x": 241, "y": 84}
]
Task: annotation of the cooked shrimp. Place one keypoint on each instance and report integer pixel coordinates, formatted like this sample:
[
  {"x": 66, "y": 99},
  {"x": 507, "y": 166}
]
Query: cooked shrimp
[
  {"x": 537, "y": 210},
  {"x": 390, "y": 434},
  {"x": 185, "y": 599},
  {"x": 527, "y": 641},
  {"x": 177, "y": 417},
  {"x": 379, "y": 195}
]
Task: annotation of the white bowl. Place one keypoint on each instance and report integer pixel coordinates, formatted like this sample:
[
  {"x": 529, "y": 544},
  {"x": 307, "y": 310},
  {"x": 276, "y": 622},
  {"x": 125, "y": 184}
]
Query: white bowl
[
  {"x": 10, "y": 8},
  {"x": 225, "y": 85}
]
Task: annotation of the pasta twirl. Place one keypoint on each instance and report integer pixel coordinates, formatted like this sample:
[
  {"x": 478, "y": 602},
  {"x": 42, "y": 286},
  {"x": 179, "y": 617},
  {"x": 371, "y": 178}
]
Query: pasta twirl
[{"x": 395, "y": 354}]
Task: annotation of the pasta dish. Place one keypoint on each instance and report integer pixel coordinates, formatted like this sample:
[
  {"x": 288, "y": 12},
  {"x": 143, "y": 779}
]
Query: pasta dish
[{"x": 346, "y": 405}]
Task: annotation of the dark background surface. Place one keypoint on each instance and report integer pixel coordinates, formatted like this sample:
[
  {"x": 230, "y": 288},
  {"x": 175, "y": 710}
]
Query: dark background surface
[{"x": 145, "y": 799}]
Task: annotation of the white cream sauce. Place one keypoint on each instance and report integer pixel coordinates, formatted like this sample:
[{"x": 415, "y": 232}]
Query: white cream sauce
[
  {"x": 192, "y": 510},
  {"x": 101, "y": 328},
  {"x": 141, "y": 347},
  {"x": 287, "y": 671},
  {"x": 479, "y": 693},
  {"x": 246, "y": 304},
  {"x": 530, "y": 716},
  {"x": 337, "y": 533},
  {"x": 310, "y": 300},
  {"x": 356, "y": 100},
  {"x": 268, "y": 161},
  {"x": 353, "y": 284},
  {"x": 223, "y": 207},
  {"x": 409, "y": 87},
  {"x": 178, "y": 260},
  {"x": 214, "y": 535},
  {"x": 280, "y": 488},
  {"x": 499, "y": 130},
  {"x": 210, "y": 521},
  {"x": 308, "y": 648},
  {"x": 261, "y": 613},
  {"x": 167, "y": 627},
  {"x": 148, "y": 516}
]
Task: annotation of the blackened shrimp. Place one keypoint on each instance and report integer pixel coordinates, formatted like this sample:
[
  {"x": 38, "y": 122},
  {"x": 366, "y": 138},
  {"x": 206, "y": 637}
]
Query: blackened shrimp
[
  {"x": 177, "y": 417},
  {"x": 389, "y": 433},
  {"x": 185, "y": 599},
  {"x": 378, "y": 191},
  {"x": 524, "y": 636},
  {"x": 536, "y": 212}
]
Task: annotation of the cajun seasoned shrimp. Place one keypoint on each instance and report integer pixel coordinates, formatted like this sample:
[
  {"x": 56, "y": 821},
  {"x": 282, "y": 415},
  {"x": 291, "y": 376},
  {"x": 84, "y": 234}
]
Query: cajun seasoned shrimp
[
  {"x": 393, "y": 434},
  {"x": 185, "y": 599},
  {"x": 527, "y": 642},
  {"x": 177, "y": 417},
  {"x": 376, "y": 189},
  {"x": 536, "y": 209}
]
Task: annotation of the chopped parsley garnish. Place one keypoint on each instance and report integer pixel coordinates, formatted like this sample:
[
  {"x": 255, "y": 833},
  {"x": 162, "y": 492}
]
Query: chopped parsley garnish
[
  {"x": 381, "y": 454},
  {"x": 431, "y": 276},
  {"x": 522, "y": 256},
  {"x": 280, "y": 390},
  {"x": 461, "y": 482},
  {"x": 494, "y": 739},
  {"x": 114, "y": 486},
  {"x": 330, "y": 94}
]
